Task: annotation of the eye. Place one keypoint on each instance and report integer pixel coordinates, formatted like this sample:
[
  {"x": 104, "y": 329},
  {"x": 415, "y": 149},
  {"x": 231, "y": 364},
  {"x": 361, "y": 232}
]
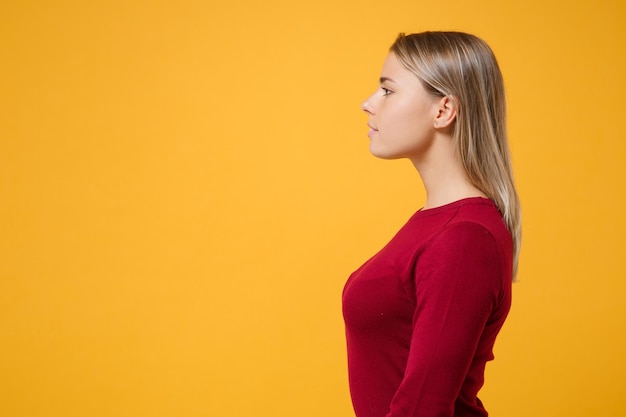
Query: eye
[{"x": 386, "y": 91}]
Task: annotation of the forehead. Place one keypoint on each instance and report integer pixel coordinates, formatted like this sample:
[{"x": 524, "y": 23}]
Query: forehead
[{"x": 393, "y": 69}]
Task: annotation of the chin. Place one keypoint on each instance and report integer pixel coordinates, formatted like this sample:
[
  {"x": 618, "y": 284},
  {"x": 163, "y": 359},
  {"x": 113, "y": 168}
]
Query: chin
[{"x": 385, "y": 154}]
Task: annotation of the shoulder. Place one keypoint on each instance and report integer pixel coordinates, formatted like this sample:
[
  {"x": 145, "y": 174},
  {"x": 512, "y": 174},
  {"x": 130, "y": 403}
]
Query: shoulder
[
  {"x": 467, "y": 249},
  {"x": 477, "y": 221},
  {"x": 462, "y": 240}
]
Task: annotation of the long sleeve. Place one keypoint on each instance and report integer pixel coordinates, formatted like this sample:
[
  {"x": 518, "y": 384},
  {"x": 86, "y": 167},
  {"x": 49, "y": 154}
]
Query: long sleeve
[
  {"x": 423, "y": 313},
  {"x": 459, "y": 290}
]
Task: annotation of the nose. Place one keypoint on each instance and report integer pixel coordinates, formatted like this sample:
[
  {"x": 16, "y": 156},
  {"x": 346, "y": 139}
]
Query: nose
[
  {"x": 366, "y": 106},
  {"x": 369, "y": 105}
]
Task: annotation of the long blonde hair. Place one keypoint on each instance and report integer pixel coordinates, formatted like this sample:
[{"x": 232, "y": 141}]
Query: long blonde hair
[{"x": 462, "y": 66}]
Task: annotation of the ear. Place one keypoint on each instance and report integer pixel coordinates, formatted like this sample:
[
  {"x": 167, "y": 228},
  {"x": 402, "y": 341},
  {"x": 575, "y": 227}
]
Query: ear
[{"x": 446, "y": 112}]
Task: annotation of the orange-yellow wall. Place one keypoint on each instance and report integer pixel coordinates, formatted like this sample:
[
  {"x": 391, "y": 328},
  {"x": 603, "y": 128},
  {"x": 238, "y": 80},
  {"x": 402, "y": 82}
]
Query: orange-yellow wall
[{"x": 185, "y": 186}]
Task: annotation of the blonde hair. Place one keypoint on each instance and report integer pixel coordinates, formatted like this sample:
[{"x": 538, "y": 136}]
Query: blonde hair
[{"x": 462, "y": 66}]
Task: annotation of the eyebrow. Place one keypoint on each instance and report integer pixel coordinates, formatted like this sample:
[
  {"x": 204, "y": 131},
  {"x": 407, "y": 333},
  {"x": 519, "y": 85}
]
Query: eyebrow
[{"x": 383, "y": 79}]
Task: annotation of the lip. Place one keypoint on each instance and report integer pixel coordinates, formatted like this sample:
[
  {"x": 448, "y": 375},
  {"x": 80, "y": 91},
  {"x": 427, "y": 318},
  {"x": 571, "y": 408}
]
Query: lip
[{"x": 372, "y": 130}]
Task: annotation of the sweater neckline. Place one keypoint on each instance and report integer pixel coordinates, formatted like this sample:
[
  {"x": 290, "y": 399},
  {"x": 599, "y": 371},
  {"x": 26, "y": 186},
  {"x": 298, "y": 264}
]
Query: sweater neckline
[{"x": 455, "y": 204}]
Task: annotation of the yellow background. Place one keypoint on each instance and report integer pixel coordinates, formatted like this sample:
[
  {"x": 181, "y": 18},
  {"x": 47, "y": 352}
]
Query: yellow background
[{"x": 185, "y": 187}]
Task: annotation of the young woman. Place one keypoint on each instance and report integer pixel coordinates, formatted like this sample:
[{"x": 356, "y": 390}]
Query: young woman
[{"x": 422, "y": 315}]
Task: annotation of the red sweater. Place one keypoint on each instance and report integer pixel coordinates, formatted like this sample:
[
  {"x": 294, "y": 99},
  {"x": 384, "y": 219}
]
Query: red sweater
[{"x": 422, "y": 315}]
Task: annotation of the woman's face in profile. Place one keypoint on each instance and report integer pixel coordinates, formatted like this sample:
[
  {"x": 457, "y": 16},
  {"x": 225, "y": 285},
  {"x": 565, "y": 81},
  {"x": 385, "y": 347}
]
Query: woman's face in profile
[{"x": 401, "y": 113}]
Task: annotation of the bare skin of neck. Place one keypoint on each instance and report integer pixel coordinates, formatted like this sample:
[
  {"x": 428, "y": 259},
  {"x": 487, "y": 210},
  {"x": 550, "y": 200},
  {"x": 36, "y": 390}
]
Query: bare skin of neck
[{"x": 443, "y": 175}]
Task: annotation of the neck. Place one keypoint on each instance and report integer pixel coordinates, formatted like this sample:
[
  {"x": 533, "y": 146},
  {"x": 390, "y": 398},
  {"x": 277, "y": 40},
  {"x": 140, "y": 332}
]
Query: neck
[{"x": 444, "y": 176}]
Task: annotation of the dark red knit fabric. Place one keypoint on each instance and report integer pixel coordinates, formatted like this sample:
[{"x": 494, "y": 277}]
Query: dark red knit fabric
[{"x": 422, "y": 315}]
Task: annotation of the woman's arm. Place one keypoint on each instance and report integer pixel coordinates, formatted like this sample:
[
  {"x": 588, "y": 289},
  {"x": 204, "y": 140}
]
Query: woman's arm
[{"x": 461, "y": 303}]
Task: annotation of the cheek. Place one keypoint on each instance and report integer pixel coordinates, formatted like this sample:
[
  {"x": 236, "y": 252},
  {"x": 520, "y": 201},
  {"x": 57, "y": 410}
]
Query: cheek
[
  {"x": 404, "y": 131},
  {"x": 407, "y": 124}
]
